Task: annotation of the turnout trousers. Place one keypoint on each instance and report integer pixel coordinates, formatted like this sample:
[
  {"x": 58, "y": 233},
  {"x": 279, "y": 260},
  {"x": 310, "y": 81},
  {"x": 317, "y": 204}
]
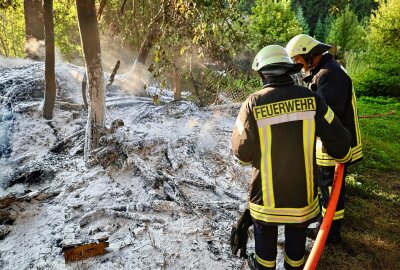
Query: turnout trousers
[
  {"x": 266, "y": 246},
  {"x": 325, "y": 180}
]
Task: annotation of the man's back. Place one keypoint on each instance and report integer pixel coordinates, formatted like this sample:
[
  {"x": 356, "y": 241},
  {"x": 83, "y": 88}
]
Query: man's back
[{"x": 280, "y": 124}]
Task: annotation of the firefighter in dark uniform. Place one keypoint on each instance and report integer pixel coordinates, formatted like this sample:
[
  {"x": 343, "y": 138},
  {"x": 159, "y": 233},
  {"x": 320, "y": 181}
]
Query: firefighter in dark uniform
[
  {"x": 329, "y": 79},
  {"x": 275, "y": 132}
]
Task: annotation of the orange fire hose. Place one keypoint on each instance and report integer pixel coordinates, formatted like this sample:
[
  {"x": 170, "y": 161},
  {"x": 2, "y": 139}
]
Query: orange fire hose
[{"x": 319, "y": 243}]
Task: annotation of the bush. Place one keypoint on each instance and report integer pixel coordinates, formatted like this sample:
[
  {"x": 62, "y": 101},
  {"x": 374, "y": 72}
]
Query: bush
[{"x": 375, "y": 73}]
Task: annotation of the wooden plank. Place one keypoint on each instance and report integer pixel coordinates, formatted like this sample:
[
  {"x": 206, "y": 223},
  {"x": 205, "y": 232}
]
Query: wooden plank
[{"x": 81, "y": 252}]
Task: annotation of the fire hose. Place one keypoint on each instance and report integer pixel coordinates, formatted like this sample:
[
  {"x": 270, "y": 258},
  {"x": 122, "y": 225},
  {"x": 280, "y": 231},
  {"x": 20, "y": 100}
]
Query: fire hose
[{"x": 323, "y": 232}]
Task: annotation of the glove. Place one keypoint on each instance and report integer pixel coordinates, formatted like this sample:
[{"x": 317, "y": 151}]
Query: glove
[{"x": 239, "y": 234}]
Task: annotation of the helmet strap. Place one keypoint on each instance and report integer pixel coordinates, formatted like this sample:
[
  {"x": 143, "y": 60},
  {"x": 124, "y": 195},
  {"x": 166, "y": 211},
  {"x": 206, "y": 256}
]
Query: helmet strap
[
  {"x": 309, "y": 59},
  {"x": 263, "y": 77}
]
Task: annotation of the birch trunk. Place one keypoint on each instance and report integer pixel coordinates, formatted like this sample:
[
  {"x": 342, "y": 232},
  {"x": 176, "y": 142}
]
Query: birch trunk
[
  {"x": 177, "y": 85},
  {"x": 91, "y": 48}
]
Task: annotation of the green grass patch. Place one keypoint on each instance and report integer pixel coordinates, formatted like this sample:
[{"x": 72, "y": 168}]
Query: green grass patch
[
  {"x": 380, "y": 135},
  {"x": 371, "y": 230}
]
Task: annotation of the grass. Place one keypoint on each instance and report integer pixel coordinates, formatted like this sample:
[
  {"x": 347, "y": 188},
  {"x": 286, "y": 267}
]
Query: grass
[{"x": 371, "y": 231}]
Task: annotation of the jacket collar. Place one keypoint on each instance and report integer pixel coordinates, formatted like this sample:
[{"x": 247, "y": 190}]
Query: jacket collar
[
  {"x": 278, "y": 80},
  {"x": 324, "y": 59}
]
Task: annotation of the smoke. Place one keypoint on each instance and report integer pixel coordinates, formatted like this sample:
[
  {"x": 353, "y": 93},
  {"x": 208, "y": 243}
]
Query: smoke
[
  {"x": 207, "y": 139},
  {"x": 132, "y": 76},
  {"x": 35, "y": 49},
  {"x": 136, "y": 80},
  {"x": 114, "y": 49},
  {"x": 12, "y": 62}
]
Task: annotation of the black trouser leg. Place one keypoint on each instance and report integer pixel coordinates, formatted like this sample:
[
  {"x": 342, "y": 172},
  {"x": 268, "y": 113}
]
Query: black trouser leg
[
  {"x": 295, "y": 241},
  {"x": 266, "y": 246}
]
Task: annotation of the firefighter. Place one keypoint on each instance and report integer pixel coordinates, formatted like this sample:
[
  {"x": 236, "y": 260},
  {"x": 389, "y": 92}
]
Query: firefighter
[
  {"x": 275, "y": 132},
  {"x": 329, "y": 79}
]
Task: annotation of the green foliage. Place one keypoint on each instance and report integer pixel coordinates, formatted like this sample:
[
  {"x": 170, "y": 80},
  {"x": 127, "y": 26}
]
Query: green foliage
[
  {"x": 314, "y": 9},
  {"x": 302, "y": 20},
  {"x": 132, "y": 22},
  {"x": 12, "y": 34},
  {"x": 319, "y": 32},
  {"x": 375, "y": 72},
  {"x": 346, "y": 33},
  {"x": 363, "y": 8},
  {"x": 66, "y": 32},
  {"x": 385, "y": 25},
  {"x": 272, "y": 22}
]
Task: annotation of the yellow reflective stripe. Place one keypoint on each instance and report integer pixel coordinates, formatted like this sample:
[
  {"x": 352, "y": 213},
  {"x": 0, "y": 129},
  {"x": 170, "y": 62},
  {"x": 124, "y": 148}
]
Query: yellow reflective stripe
[
  {"x": 294, "y": 263},
  {"x": 270, "y": 188},
  {"x": 284, "y": 215},
  {"x": 265, "y": 262},
  {"x": 355, "y": 112},
  {"x": 329, "y": 115},
  {"x": 266, "y": 166},
  {"x": 326, "y": 163},
  {"x": 323, "y": 159},
  {"x": 284, "y": 219},
  {"x": 244, "y": 163},
  {"x": 262, "y": 165},
  {"x": 357, "y": 148},
  {"x": 346, "y": 158},
  {"x": 284, "y": 210},
  {"x": 338, "y": 214},
  {"x": 308, "y": 143},
  {"x": 357, "y": 156}
]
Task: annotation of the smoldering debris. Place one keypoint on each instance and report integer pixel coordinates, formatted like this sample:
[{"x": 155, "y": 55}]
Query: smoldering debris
[{"x": 163, "y": 186}]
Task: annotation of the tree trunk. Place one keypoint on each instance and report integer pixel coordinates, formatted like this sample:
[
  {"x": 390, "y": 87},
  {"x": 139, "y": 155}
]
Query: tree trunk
[
  {"x": 91, "y": 48},
  {"x": 101, "y": 8},
  {"x": 177, "y": 84},
  {"x": 147, "y": 44},
  {"x": 154, "y": 29},
  {"x": 34, "y": 28},
  {"x": 50, "y": 92}
]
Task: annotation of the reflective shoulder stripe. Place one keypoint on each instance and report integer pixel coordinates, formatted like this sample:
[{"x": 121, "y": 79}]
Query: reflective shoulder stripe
[
  {"x": 239, "y": 125},
  {"x": 270, "y": 264},
  {"x": 294, "y": 263},
  {"x": 329, "y": 116}
]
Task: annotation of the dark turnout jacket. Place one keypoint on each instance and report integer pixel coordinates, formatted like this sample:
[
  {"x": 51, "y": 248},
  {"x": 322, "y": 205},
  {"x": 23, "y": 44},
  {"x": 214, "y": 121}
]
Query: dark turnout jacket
[
  {"x": 275, "y": 132},
  {"x": 330, "y": 80}
]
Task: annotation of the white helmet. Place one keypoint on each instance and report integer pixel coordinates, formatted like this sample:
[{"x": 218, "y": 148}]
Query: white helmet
[
  {"x": 271, "y": 54},
  {"x": 304, "y": 44}
]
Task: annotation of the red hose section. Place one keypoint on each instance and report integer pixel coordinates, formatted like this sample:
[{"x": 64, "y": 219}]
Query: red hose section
[{"x": 319, "y": 243}]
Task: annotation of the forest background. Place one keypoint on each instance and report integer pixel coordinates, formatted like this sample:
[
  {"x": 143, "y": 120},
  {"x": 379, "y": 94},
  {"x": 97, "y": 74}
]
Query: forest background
[{"x": 209, "y": 45}]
